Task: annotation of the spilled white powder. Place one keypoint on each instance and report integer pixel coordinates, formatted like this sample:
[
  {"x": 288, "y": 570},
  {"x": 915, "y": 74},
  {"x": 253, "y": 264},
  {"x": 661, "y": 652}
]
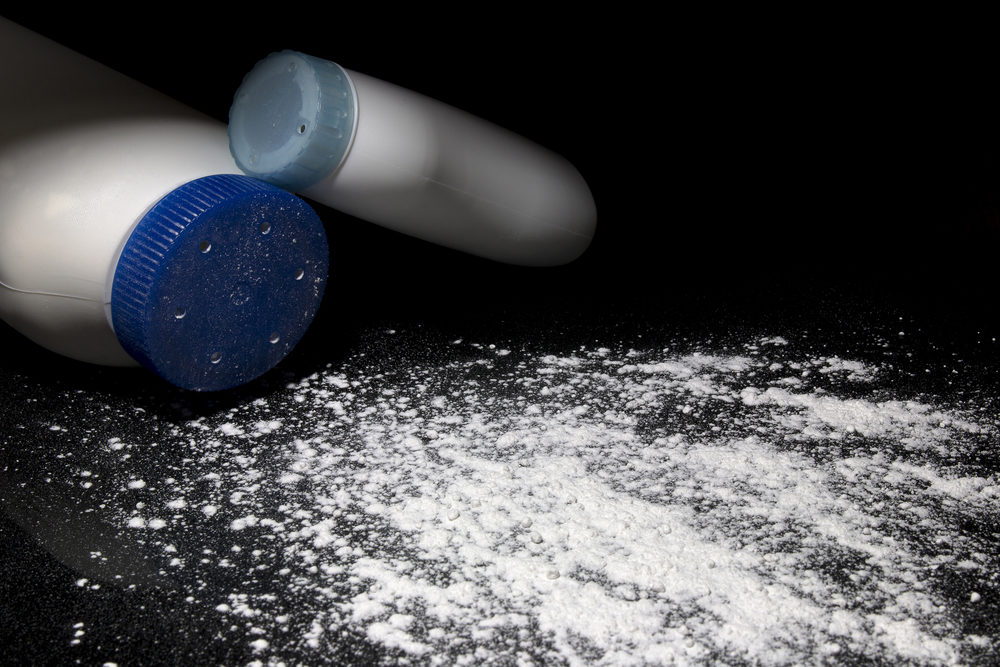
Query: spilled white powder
[{"x": 610, "y": 506}]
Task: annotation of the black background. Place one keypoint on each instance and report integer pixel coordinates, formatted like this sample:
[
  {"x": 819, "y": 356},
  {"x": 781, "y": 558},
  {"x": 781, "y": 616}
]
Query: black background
[
  {"x": 736, "y": 159},
  {"x": 783, "y": 170}
]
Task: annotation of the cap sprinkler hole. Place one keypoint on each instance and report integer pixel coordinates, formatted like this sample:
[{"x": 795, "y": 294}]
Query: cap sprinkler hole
[
  {"x": 265, "y": 227},
  {"x": 299, "y": 273},
  {"x": 180, "y": 313},
  {"x": 204, "y": 246},
  {"x": 215, "y": 358},
  {"x": 302, "y": 128},
  {"x": 274, "y": 338}
]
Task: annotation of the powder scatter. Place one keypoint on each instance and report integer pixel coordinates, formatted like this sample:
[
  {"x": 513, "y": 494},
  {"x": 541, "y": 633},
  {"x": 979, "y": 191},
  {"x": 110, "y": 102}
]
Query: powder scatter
[{"x": 758, "y": 503}]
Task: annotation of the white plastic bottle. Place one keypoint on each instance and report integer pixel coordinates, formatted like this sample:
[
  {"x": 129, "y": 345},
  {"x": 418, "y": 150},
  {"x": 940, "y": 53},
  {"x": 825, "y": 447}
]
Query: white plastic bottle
[
  {"x": 128, "y": 234},
  {"x": 402, "y": 160}
]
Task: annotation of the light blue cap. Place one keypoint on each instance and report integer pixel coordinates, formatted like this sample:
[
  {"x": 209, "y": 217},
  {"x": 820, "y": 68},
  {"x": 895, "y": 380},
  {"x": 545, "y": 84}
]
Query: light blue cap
[
  {"x": 292, "y": 120},
  {"x": 218, "y": 281}
]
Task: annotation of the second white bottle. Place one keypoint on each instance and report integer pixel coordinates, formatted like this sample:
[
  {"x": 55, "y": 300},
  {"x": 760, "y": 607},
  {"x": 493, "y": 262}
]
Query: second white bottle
[{"x": 405, "y": 161}]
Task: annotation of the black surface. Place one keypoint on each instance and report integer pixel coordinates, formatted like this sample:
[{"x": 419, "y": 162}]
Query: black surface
[
  {"x": 140, "y": 612},
  {"x": 744, "y": 178}
]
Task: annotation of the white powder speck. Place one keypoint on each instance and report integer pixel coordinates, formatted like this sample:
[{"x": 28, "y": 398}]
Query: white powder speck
[
  {"x": 137, "y": 484},
  {"x": 243, "y": 522},
  {"x": 264, "y": 427},
  {"x": 231, "y": 429}
]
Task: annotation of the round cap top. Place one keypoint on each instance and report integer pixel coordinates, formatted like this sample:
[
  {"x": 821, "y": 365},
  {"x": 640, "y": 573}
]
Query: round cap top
[
  {"x": 292, "y": 120},
  {"x": 218, "y": 281}
]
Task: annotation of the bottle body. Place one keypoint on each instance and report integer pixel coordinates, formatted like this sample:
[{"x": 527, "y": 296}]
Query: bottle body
[
  {"x": 419, "y": 166},
  {"x": 66, "y": 212},
  {"x": 128, "y": 234},
  {"x": 76, "y": 140},
  {"x": 425, "y": 168}
]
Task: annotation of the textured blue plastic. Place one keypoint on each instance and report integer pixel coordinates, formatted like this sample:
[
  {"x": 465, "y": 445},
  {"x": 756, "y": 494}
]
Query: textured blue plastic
[
  {"x": 218, "y": 281},
  {"x": 292, "y": 120}
]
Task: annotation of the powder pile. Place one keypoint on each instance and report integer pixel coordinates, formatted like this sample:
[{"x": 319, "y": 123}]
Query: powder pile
[{"x": 758, "y": 505}]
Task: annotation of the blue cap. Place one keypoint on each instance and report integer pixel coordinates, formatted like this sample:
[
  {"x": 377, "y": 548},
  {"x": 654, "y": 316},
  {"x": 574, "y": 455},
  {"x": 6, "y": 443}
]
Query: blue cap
[
  {"x": 218, "y": 281},
  {"x": 292, "y": 120}
]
